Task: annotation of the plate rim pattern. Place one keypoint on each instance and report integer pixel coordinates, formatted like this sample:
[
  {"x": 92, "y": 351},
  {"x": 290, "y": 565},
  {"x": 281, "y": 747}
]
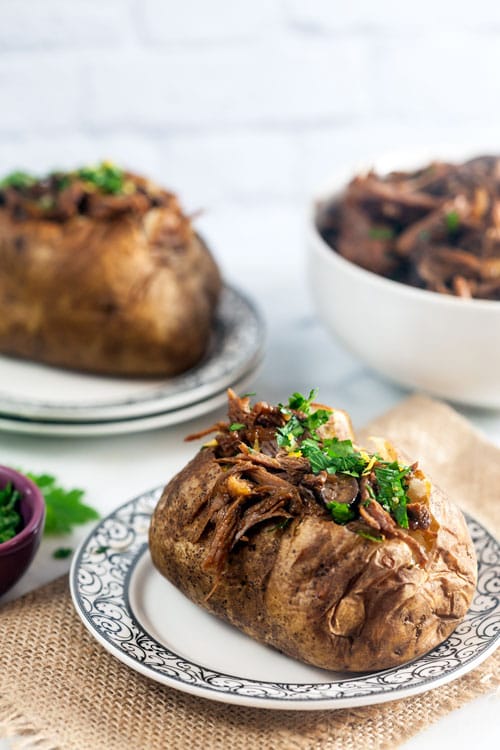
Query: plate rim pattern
[{"x": 100, "y": 582}]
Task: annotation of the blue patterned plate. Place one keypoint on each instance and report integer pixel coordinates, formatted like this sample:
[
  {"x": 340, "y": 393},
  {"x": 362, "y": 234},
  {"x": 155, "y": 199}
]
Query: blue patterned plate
[{"x": 146, "y": 623}]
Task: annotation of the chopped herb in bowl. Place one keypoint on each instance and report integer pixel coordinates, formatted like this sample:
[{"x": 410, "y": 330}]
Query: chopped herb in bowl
[{"x": 11, "y": 521}]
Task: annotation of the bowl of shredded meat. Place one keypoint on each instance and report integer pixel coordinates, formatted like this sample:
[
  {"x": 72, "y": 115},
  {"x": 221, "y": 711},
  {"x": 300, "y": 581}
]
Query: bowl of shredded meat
[{"x": 404, "y": 263}]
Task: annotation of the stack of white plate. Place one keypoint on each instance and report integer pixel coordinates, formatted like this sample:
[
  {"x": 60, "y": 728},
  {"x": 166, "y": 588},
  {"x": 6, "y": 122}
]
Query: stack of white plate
[{"x": 46, "y": 400}]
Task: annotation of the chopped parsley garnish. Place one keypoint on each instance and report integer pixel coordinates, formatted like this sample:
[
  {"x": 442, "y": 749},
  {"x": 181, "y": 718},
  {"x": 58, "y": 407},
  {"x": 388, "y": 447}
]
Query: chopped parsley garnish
[
  {"x": 300, "y": 403},
  {"x": 367, "y": 535},
  {"x": 106, "y": 177},
  {"x": 452, "y": 221},
  {"x": 391, "y": 491},
  {"x": 64, "y": 508},
  {"x": 286, "y": 436},
  {"x": 18, "y": 180},
  {"x": 237, "y": 426},
  {"x": 341, "y": 512},
  {"x": 385, "y": 481},
  {"x": 308, "y": 421},
  {"x": 334, "y": 456},
  {"x": 62, "y": 553},
  {"x": 381, "y": 233},
  {"x": 10, "y": 517}
]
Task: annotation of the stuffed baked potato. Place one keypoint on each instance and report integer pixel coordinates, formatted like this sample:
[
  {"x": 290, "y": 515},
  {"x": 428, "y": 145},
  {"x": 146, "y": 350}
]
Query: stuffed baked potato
[
  {"x": 101, "y": 271},
  {"x": 338, "y": 557}
]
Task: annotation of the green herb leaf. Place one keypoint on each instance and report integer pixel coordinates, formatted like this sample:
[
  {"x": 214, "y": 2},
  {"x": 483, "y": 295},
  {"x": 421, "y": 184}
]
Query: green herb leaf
[
  {"x": 298, "y": 425},
  {"x": 317, "y": 458},
  {"x": 18, "y": 180},
  {"x": 237, "y": 426},
  {"x": 286, "y": 435},
  {"x": 316, "y": 418},
  {"x": 298, "y": 402},
  {"x": 64, "y": 508},
  {"x": 367, "y": 535},
  {"x": 62, "y": 553},
  {"x": 341, "y": 512},
  {"x": 100, "y": 550},
  {"x": 107, "y": 177},
  {"x": 334, "y": 456},
  {"x": 452, "y": 222},
  {"x": 391, "y": 491},
  {"x": 381, "y": 233},
  {"x": 10, "y": 518}
]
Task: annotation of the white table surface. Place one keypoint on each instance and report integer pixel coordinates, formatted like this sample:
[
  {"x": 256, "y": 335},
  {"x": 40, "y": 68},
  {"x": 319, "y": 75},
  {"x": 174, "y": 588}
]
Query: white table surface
[{"x": 300, "y": 355}]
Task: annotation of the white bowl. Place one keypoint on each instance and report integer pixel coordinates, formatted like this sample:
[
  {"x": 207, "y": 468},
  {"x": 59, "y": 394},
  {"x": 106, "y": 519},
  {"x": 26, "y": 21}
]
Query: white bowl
[{"x": 447, "y": 346}]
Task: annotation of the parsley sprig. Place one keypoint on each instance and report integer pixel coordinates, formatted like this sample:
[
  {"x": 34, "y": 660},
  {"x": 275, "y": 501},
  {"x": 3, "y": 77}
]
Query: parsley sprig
[
  {"x": 334, "y": 456},
  {"x": 307, "y": 421},
  {"x": 64, "y": 508}
]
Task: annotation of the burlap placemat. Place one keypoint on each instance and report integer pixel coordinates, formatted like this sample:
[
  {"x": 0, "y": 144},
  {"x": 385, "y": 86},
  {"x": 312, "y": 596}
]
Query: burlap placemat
[{"x": 60, "y": 690}]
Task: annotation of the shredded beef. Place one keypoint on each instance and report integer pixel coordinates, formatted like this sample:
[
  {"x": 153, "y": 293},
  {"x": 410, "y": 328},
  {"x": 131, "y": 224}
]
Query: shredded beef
[
  {"x": 260, "y": 483},
  {"x": 437, "y": 228},
  {"x": 378, "y": 518}
]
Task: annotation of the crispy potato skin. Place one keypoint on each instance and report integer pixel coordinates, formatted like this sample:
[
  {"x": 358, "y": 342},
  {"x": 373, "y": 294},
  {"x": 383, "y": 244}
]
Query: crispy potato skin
[
  {"x": 315, "y": 590},
  {"x": 109, "y": 296}
]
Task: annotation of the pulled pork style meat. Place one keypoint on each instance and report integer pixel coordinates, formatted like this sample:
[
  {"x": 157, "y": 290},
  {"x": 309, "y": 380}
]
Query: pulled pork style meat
[
  {"x": 59, "y": 197},
  {"x": 261, "y": 483},
  {"x": 437, "y": 228}
]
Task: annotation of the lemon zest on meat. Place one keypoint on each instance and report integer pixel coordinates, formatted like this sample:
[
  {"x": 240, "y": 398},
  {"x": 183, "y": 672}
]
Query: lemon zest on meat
[
  {"x": 369, "y": 466},
  {"x": 211, "y": 443}
]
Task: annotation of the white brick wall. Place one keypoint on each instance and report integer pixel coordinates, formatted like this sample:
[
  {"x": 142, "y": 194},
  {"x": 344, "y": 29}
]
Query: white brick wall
[
  {"x": 325, "y": 16},
  {"x": 243, "y": 107},
  {"x": 265, "y": 83},
  {"x": 34, "y": 25},
  {"x": 165, "y": 21}
]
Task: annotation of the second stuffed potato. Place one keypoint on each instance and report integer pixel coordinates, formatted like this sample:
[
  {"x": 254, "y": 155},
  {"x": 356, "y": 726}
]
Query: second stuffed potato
[
  {"x": 101, "y": 271},
  {"x": 282, "y": 526}
]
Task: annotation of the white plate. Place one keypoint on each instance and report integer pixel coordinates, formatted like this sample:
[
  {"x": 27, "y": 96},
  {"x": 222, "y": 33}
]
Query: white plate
[
  {"x": 125, "y": 426},
  {"x": 35, "y": 391},
  {"x": 146, "y": 623}
]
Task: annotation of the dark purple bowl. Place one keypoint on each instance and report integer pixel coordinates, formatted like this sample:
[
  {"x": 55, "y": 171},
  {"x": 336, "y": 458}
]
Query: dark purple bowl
[{"x": 18, "y": 552}]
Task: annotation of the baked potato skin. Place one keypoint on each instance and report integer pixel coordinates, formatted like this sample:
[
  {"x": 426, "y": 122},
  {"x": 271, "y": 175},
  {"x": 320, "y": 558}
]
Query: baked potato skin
[
  {"x": 314, "y": 589},
  {"x": 110, "y": 296}
]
